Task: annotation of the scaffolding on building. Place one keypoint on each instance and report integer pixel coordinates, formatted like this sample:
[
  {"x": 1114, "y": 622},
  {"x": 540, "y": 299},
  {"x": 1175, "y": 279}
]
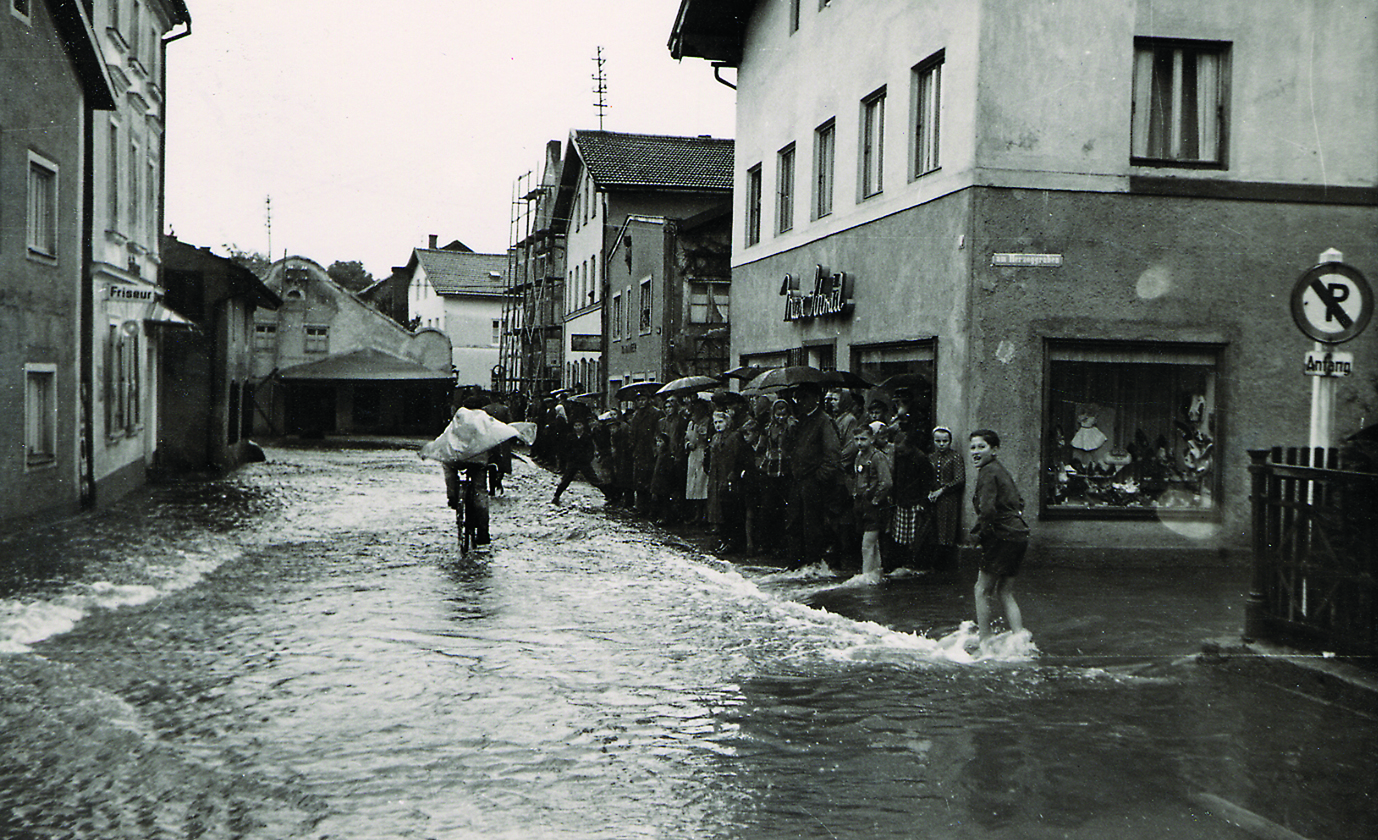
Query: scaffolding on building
[{"x": 530, "y": 347}]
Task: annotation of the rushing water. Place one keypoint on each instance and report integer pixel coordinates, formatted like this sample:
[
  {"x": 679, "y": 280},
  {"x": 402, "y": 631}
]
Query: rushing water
[{"x": 296, "y": 652}]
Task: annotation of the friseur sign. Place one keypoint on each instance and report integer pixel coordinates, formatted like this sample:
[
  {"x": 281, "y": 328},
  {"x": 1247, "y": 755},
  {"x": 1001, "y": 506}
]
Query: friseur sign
[{"x": 831, "y": 295}]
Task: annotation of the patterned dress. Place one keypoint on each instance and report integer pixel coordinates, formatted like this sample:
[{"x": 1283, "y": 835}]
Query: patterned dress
[{"x": 947, "y": 511}]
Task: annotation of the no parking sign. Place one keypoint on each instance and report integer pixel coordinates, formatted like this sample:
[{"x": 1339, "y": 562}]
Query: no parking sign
[{"x": 1332, "y": 302}]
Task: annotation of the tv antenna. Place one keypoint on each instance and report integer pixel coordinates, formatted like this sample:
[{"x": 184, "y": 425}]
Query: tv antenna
[
  {"x": 268, "y": 223},
  {"x": 600, "y": 87}
]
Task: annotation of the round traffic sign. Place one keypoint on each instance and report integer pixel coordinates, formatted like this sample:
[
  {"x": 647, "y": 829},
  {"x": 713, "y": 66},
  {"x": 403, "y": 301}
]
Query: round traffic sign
[{"x": 1332, "y": 302}]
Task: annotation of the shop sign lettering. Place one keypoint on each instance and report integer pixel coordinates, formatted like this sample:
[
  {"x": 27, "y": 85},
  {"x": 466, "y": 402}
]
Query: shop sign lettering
[
  {"x": 831, "y": 295},
  {"x": 1329, "y": 364},
  {"x": 132, "y": 294}
]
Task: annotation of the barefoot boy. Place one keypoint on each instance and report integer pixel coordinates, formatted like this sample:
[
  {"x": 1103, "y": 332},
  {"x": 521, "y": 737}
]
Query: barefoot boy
[{"x": 1000, "y": 530}]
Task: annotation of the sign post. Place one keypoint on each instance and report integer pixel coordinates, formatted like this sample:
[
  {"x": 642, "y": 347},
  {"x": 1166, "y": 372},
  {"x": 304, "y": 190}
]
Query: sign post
[{"x": 1331, "y": 303}]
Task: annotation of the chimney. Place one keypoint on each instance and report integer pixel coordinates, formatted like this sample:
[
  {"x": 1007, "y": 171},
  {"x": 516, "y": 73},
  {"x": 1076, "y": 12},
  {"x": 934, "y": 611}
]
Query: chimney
[{"x": 432, "y": 245}]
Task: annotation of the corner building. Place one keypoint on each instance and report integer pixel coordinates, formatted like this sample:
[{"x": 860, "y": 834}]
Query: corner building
[{"x": 1080, "y": 221}]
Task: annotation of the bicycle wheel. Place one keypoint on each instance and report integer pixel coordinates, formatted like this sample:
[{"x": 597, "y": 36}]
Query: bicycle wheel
[{"x": 462, "y": 529}]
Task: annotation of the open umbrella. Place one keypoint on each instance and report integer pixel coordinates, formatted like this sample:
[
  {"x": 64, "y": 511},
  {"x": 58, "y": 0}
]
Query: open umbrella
[
  {"x": 845, "y": 378},
  {"x": 904, "y": 380},
  {"x": 688, "y": 385},
  {"x": 591, "y": 396},
  {"x": 636, "y": 389},
  {"x": 785, "y": 377},
  {"x": 746, "y": 373}
]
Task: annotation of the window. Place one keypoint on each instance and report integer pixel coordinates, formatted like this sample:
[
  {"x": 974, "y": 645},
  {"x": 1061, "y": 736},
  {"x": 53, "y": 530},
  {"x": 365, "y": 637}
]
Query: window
[
  {"x": 497, "y": 332},
  {"x": 42, "y": 222},
  {"x": 20, "y": 9},
  {"x": 872, "y": 143},
  {"x": 40, "y": 414},
  {"x": 928, "y": 78},
  {"x": 617, "y": 316},
  {"x": 594, "y": 285},
  {"x": 134, "y": 193},
  {"x": 709, "y": 302},
  {"x": 122, "y": 415},
  {"x": 753, "y": 205},
  {"x": 317, "y": 339},
  {"x": 645, "y": 323},
  {"x": 793, "y": 16},
  {"x": 824, "y": 149},
  {"x": 1131, "y": 428},
  {"x": 113, "y": 186},
  {"x": 265, "y": 337},
  {"x": 135, "y": 19},
  {"x": 1179, "y": 103},
  {"x": 151, "y": 202},
  {"x": 784, "y": 198}
]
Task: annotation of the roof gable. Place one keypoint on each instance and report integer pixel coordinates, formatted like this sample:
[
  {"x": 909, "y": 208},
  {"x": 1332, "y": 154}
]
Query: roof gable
[{"x": 655, "y": 161}]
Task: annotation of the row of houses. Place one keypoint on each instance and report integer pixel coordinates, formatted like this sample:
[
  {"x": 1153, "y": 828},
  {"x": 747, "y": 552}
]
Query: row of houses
[{"x": 1079, "y": 222}]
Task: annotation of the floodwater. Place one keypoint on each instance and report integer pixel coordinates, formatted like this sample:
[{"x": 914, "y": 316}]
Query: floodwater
[{"x": 295, "y": 651}]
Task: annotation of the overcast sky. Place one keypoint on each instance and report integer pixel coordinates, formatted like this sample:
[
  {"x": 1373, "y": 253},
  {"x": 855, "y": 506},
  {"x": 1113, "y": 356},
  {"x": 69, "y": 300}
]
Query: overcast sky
[{"x": 371, "y": 131}]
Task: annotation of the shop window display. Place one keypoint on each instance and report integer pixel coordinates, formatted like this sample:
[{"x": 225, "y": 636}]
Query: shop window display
[{"x": 1131, "y": 429}]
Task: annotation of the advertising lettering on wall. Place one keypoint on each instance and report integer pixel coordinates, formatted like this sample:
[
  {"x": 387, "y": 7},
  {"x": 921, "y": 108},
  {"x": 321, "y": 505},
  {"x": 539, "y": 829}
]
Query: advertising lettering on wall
[{"x": 831, "y": 295}]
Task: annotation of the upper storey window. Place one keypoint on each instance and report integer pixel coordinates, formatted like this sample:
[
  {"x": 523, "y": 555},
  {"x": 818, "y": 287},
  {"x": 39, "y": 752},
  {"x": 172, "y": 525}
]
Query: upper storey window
[{"x": 1179, "y": 102}]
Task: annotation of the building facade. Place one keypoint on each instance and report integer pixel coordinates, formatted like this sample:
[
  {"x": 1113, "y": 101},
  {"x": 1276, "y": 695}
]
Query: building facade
[
  {"x": 127, "y": 323},
  {"x": 325, "y": 362},
  {"x": 606, "y": 177},
  {"x": 59, "y": 87},
  {"x": 460, "y": 293},
  {"x": 669, "y": 298},
  {"x": 207, "y": 388},
  {"x": 1081, "y": 222}
]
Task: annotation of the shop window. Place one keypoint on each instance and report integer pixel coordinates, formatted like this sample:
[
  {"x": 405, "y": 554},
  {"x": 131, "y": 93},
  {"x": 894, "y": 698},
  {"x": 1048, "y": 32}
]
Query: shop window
[
  {"x": 122, "y": 406},
  {"x": 1131, "y": 429},
  {"x": 40, "y": 414},
  {"x": 906, "y": 368},
  {"x": 709, "y": 303},
  {"x": 1179, "y": 102}
]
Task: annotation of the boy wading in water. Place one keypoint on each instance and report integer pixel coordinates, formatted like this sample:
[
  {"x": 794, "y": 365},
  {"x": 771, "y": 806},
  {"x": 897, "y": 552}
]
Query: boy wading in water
[{"x": 1000, "y": 530}]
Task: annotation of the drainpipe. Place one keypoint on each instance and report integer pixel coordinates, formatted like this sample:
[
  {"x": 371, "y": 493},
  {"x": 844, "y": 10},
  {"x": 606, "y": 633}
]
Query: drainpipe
[
  {"x": 86, "y": 480},
  {"x": 717, "y": 74}
]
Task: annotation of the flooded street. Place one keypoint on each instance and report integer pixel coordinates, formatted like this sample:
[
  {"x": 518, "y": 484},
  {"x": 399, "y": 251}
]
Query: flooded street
[{"x": 296, "y": 651}]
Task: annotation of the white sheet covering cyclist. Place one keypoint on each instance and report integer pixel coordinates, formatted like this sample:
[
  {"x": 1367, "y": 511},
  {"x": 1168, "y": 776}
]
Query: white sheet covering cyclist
[{"x": 464, "y": 444}]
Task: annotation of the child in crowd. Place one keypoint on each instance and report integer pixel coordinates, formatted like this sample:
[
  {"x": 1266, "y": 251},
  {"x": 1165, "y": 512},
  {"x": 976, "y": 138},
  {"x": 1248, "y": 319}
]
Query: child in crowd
[
  {"x": 871, "y": 480},
  {"x": 1000, "y": 530}
]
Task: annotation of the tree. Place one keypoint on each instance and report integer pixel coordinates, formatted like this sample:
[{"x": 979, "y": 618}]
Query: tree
[
  {"x": 252, "y": 260},
  {"x": 350, "y": 274}
]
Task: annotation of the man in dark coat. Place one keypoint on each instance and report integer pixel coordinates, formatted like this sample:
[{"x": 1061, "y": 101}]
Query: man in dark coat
[
  {"x": 645, "y": 422},
  {"x": 812, "y": 454}
]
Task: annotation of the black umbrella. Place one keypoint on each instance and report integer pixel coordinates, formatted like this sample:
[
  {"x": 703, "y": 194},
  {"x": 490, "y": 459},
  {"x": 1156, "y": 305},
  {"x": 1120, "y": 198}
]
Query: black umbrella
[
  {"x": 746, "y": 373},
  {"x": 688, "y": 385},
  {"x": 904, "y": 380},
  {"x": 845, "y": 378},
  {"x": 636, "y": 389},
  {"x": 785, "y": 377}
]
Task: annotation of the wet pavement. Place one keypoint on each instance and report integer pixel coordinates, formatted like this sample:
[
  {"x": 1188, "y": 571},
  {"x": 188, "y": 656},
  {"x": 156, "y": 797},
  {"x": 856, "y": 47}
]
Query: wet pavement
[{"x": 296, "y": 651}]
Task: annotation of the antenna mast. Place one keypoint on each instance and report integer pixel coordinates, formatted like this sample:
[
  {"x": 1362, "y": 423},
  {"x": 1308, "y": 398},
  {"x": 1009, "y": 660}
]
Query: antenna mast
[
  {"x": 268, "y": 223},
  {"x": 600, "y": 87}
]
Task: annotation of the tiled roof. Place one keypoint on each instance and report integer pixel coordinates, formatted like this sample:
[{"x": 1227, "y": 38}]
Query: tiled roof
[
  {"x": 463, "y": 272},
  {"x": 364, "y": 364},
  {"x": 653, "y": 160}
]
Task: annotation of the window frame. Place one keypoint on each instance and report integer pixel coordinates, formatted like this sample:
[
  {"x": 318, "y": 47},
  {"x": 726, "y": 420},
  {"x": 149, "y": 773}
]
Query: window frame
[
  {"x": 265, "y": 337},
  {"x": 712, "y": 289},
  {"x": 1207, "y": 355},
  {"x": 25, "y": 14},
  {"x": 784, "y": 189},
  {"x": 617, "y": 316},
  {"x": 871, "y": 145},
  {"x": 926, "y": 90},
  {"x": 644, "y": 307},
  {"x": 824, "y": 168},
  {"x": 40, "y": 420},
  {"x": 318, "y": 342},
  {"x": 1143, "y": 96},
  {"x": 42, "y": 212},
  {"x": 752, "y": 216}
]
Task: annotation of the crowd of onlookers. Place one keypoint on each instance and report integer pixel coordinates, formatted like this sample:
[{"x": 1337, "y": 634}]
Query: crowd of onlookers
[{"x": 804, "y": 475}]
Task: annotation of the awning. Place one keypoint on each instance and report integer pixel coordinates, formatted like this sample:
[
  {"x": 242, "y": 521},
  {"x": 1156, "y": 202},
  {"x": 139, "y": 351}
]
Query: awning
[
  {"x": 159, "y": 314},
  {"x": 362, "y": 365}
]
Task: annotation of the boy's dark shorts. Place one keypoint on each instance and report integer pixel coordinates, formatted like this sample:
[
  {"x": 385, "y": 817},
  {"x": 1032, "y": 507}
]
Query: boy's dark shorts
[{"x": 1003, "y": 557}]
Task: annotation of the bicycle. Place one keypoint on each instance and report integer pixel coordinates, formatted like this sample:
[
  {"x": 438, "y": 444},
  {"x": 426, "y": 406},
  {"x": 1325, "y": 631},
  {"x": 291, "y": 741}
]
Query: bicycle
[{"x": 459, "y": 486}]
